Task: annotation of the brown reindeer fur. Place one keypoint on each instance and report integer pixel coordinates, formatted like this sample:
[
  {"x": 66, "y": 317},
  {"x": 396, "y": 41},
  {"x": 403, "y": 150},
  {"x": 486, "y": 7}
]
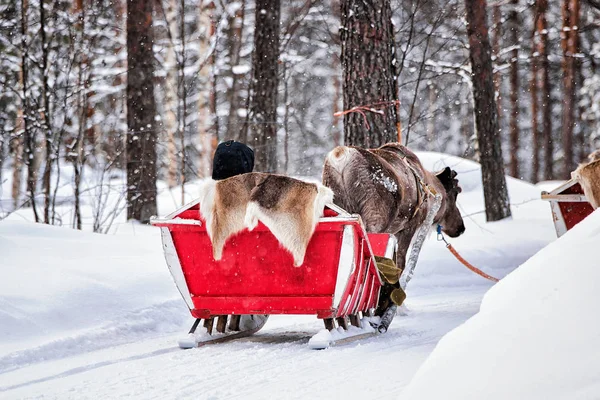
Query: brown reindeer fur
[
  {"x": 378, "y": 185},
  {"x": 588, "y": 176},
  {"x": 290, "y": 208}
]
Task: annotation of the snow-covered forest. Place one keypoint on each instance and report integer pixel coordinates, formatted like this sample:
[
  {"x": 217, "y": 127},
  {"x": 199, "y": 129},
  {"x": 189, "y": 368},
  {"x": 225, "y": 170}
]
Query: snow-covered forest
[
  {"x": 111, "y": 112},
  {"x": 64, "y": 72}
]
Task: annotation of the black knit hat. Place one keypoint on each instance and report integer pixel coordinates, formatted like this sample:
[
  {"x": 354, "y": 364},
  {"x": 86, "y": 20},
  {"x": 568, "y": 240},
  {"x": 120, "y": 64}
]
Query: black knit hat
[{"x": 232, "y": 158}]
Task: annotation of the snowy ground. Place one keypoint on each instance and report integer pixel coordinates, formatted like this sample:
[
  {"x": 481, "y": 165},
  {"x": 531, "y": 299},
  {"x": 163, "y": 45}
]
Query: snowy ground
[
  {"x": 536, "y": 336},
  {"x": 84, "y": 315}
]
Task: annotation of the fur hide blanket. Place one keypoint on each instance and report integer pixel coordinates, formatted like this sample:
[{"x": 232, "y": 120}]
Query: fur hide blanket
[{"x": 290, "y": 208}]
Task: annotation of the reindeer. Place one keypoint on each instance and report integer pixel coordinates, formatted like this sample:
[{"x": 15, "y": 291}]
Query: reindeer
[{"x": 384, "y": 186}]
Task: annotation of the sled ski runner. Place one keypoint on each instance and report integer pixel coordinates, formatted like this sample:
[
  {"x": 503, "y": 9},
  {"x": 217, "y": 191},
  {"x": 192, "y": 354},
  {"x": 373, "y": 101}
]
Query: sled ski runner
[
  {"x": 342, "y": 334},
  {"x": 366, "y": 327},
  {"x": 238, "y": 326}
]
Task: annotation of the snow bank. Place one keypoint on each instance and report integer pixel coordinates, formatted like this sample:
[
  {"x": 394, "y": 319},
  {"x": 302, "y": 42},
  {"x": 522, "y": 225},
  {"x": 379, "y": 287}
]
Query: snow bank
[
  {"x": 64, "y": 289},
  {"x": 536, "y": 336}
]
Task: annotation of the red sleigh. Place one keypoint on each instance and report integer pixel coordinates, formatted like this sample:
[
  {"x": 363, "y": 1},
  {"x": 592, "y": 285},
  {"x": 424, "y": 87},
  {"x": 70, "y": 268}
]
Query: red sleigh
[
  {"x": 338, "y": 281},
  {"x": 569, "y": 205}
]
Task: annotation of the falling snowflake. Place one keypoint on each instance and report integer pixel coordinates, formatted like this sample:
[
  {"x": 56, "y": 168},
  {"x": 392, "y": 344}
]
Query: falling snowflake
[{"x": 381, "y": 178}]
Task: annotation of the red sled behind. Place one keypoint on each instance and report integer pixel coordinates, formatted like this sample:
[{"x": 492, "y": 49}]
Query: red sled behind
[{"x": 338, "y": 281}]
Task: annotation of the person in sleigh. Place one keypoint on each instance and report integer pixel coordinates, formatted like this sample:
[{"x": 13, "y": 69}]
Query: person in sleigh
[{"x": 232, "y": 158}]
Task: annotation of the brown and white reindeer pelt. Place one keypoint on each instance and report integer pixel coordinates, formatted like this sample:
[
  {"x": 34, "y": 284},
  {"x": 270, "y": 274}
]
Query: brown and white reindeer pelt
[
  {"x": 290, "y": 208},
  {"x": 384, "y": 187}
]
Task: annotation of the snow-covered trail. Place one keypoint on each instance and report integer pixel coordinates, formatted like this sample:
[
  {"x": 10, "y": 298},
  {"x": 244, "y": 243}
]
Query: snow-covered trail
[
  {"x": 87, "y": 316},
  {"x": 274, "y": 361}
]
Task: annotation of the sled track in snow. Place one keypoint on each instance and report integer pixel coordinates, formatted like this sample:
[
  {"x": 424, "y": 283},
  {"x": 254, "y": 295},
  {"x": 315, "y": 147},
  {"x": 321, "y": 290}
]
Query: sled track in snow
[
  {"x": 159, "y": 319},
  {"x": 86, "y": 368}
]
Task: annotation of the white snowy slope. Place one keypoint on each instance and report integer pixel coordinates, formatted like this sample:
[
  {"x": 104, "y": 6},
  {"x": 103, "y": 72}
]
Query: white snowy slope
[
  {"x": 537, "y": 335},
  {"x": 88, "y": 316},
  {"x": 62, "y": 290}
]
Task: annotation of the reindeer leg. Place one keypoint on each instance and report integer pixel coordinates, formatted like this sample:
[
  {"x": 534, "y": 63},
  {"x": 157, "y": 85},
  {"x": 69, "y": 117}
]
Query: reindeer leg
[
  {"x": 391, "y": 293},
  {"x": 404, "y": 237}
]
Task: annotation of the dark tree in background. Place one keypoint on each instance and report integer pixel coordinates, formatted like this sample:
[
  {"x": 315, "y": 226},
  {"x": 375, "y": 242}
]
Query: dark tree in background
[
  {"x": 28, "y": 133},
  {"x": 262, "y": 115},
  {"x": 513, "y": 29},
  {"x": 543, "y": 148},
  {"x": 369, "y": 75},
  {"x": 570, "y": 47},
  {"x": 495, "y": 192},
  {"x": 545, "y": 89},
  {"x": 141, "y": 111}
]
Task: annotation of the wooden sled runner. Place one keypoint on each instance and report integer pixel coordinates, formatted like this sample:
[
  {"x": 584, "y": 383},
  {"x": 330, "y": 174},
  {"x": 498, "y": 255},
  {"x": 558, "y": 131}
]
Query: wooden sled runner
[{"x": 232, "y": 298}]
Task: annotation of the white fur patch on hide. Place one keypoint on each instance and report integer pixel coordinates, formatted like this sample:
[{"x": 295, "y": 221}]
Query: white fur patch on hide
[
  {"x": 220, "y": 223},
  {"x": 324, "y": 196},
  {"x": 207, "y": 190}
]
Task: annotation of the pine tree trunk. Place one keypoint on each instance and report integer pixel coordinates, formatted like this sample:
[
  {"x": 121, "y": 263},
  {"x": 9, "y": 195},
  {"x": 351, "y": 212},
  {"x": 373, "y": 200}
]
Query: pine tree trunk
[
  {"x": 569, "y": 43},
  {"x": 583, "y": 126},
  {"x": 513, "y": 18},
  {"x": 141, "y": 111},
  {"x": 533, "y": 89},
  {"x": 497, "y": 21},
  {"x": 262, "y": 116},
  {"x": 545, "y": 91},
  {"x": 495, "y": 192},
  {"x": 234, "y": 39},
  {"x": 369, "y": 76}
]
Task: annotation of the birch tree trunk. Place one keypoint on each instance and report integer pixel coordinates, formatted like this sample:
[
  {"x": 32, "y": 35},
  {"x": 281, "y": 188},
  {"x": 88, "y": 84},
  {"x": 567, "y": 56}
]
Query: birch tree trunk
[
  {"x": 335, "y": 124},
  {"x": 206, "y": 150},
  {"x": 495, "y": 193},
  {"x": 16, "y": 149},
  {"x": 82, "y": 107},
  {"x": 46, "y": 115},
  {"x": 28, "y": 133},
  {"x": 171, "y": 96}
]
